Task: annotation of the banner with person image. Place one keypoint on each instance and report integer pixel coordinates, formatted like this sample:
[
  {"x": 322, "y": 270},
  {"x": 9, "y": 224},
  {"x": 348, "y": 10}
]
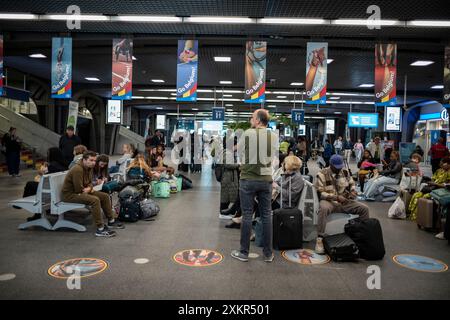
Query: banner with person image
[
  {"x": 122, "y": 68},
  {"x": 446, "y": 100},
  {"x": 61, "y": 68},
  {"x": 187, "y": 70},
  {"x": 385, "y": 74},
  {"x": 1, "y": 65},
  {"x": 255, "y": 71},
  {"x": 316, "y": 72}
]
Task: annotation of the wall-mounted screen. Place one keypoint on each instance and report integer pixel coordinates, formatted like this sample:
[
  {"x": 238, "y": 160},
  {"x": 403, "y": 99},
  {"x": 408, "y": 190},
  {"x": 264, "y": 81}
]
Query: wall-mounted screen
[
  {"x": 302, "y": 130},
  {"x": 329, "y": 126},
  {"x": 392, "y": 119},
  {"x": 363, "y": 120},
  {"x": 114, "y": 111},
  {"x": 160, "y": 122}
]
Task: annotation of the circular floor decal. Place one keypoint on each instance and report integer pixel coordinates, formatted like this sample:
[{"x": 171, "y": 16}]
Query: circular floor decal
[
  {"x": 86, "y": 266},
  {"x": 420, "y": 263},
  {"x": 198, "y": 257},
  {"x": 305, "y": 256}
]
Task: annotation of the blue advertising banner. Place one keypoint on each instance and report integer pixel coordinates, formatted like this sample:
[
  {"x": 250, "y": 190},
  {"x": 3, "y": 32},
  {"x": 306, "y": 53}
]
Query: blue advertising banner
[
  {"x": 187, "y": 70},
  {"x": 218, "y": 114},
  {"x": 61, "y": 68},
  {"x": 1, "y": 65},
  {"x": 363, "y": 120},
  {"x": 298, "y": 116},
  {"x": 316, "y": 72}
]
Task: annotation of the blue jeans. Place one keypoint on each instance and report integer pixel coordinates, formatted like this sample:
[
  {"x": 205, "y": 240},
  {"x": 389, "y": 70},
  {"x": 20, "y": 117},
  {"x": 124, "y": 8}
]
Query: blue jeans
[
  {"x": 13, "y": 162},
  {"x": 248, "y": 189}
]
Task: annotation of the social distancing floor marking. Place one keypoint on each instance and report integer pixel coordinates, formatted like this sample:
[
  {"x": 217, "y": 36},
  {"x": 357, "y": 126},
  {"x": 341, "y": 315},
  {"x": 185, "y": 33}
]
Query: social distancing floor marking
[
  {"x": 305, "y": 256},
  {"x": 7, "y": 276},
  {"x": 198, "y": 257},
  {"x": 83, "y": 267},
  {"x": 141, "y": 261},
  {"x": 419, "y": 263}
]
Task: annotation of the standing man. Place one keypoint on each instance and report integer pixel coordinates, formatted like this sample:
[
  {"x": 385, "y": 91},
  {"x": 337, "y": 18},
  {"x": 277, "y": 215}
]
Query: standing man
[
  {"x": 67, "y": 142},
  {"x": 348, "y": 148},
  {"x": 337, "y": 194},
  {"x": 377, "y": 150},
  {"x": 256, "y": 148},
  {"x": 438, "y": 152},
  {"x": 11, "y": 144},
  {"x": 157, "y": 139},
  {"x": 338, "y": 145}
]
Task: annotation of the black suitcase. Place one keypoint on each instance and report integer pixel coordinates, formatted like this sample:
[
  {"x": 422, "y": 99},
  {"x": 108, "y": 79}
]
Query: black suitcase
[
  {"x": 368, "y": 236},
  {"x": 341, "y": 247},
  {"x": 287, "y": 227}
]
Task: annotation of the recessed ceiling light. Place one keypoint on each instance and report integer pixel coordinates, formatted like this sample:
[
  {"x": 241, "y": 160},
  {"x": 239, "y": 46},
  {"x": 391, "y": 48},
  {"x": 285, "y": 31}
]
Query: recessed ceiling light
[
  {"x": 329, "y": 61},
  {"x": 222, "y": 59},
  {"x": 421, "y": 63},
  {"x": 296, "y": 83},
  {"x": 437, "y": 86},
  {"x": 92, "y": 79},
  {"x": 366, "y": 85},
  {"x": 226, "y": 82},
  {"x": 158, "y": 80},
  {"x": 37, "y": 56}
]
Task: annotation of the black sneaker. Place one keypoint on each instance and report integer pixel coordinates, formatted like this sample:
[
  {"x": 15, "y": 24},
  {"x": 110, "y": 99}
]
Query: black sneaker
[
  {"x": 106, "y": 233},
  {"x": 116, "y": 225}
]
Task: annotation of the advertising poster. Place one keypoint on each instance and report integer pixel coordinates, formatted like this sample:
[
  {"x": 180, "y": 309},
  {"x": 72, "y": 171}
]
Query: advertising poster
[
  {"x": 362, "y": 120},
  {"x": 385, "y": 74},
  {"x": 316, "y": 72},
  {"x": 187, "y": 70},
  {"x": 329, "y": 126},
  {"x": 160, "y": 122},
  {"x": 61, "y": 68},
  {"x": 114, "y": 111},
  {"x": 302, "y": 130},
  {"x": 255, "y": 71},
  {"x": 446, "y": 101},
  {"x": 1, "y": 65},
  {"x": 218, "y": 114},
  {"x": 298, "y": 116},
  {"x": 392, "y": 119},
  {"x": 122, "y": 68},
  {"x": 72, "y": 115}
]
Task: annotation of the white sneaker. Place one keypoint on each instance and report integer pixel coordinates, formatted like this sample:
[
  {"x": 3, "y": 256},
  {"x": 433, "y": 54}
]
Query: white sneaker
[
  {"x": 319, "y": 246},
  {"x": 440, "y": 236},
  {"x": 225, "y": 217}
]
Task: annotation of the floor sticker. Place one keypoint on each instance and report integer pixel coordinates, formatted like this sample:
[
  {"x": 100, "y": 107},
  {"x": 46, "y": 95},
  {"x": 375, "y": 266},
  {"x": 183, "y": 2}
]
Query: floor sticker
[
  {"x": 305, "y": 256},
  {"x": 141, "y": 261},
  {"x": 7, "y": 276},
  {"x": 197, "y": 257},
  {"x": 420, "y": 263},
  {"x": 86, "y": 266}
]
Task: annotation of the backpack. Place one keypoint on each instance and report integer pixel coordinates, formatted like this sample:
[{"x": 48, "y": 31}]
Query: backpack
[
  {"x": 130, "y": 192},
  {"x": 129, "y": 210},
  {"x": 149, "y": 208},
  {"x": 186, "y": 183},
  {"x": 368, "y": 236},
  {"x": 111, "y": 186}
]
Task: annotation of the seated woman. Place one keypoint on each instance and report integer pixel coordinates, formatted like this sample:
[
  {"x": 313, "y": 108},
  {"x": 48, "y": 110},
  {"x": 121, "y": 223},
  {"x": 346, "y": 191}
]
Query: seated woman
[
  {"x": 128, "y": 152},
  {"x": 391, "y": 174},
  {"x": 78, "y": 154},
  {"x": 101, "y": 174},
  {"x": 438, "y": 180},
  {"x": 138, "y": 169},
  {"x": 155, "y": 161},
  {"x": 365, "y": 166}
]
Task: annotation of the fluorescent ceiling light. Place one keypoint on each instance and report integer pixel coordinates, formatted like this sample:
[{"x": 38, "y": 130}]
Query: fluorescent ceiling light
[
  {"x": 92, "y": 79},
  {"x": 204, "y": 90},
  {"x": 158, "y": 98},
  {"x": 421, "y": 63},
  {"x": 226, "y": 82},
  {"x": 337, "y": 112},
  {"x": 159, "y": 108},
  {"x": 229, "y": 110},
  {"x": 271, "y": 106},
  {"x": 227, "y": 95},
  {"x": 173, "y": 94},
  {"x": 158, "y": 80},
  {"x": 161, "y": 90},
  {"x": 222, "y": 59},
  {"x": 365, "y": 22},
  {"x": 296, "y": 83},
  {"x": 281, "y": 97},
  {"x": 17, "y": 16},
  {"x": 83, "y": 17},
  {"x": 143, "y": 18},
  {"x": 137, "y": 97},
  {"x": 277, "y": 101},
  {"x": 285, "y": 92},
  {"x": 291, "y": 21},
  {"x": 437, "y": 86},
  {"x": 329, "y": 61},
  {"x": 366, "y": 85},
  {"x": 194, "y": 109},
  {"x": 37, "y": 56},
  {"x": 219, "y": 20},
  {"x": 429, "y": 23},
  {"x": 335, "y": 98},
  {"x": 229, "y": 105}
]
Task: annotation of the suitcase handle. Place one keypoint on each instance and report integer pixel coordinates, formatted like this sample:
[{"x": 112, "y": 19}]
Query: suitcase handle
[{"x": 281, "y": 193}]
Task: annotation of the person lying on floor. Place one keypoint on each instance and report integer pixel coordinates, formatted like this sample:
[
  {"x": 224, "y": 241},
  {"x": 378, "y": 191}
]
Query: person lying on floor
[
  {"x": 391, "y": 174},
  {"x": 337, "y": 194},
  {"x": 77, "y": 188}
]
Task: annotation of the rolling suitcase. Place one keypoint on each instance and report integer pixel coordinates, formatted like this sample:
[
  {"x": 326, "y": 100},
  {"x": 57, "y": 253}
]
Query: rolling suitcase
[
  {"x": 425, "y": 213},
  {"x": 287, "y": 226},
  {"x": 341, "y": 247},
  {"x": 368, "y": 236}
]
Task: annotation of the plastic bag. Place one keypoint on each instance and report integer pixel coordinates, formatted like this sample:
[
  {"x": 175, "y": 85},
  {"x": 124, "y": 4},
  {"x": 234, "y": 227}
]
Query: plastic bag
[{"x": 397, "y": 210}]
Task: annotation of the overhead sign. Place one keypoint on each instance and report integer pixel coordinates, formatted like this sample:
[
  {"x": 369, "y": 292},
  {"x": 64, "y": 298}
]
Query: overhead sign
[
  {"x": 316, "y": 72},
  {"x": 218, "y": 114},
  {"x": 122, "y": 68},
  {"x": 298, "y": 116},
  {"x": 363, "y": 120},
  {"x": 114, "y": 111},
  {"x": 330, "y": 126},
  {"x": 61, "y": 68},
  {"x": 72, "y": 115},
  {"x": 255, "y": 71},
  {"x": 392, "y": 119},
  {"x": 385, "y": 74},
  {"x": 444, "y": 115},
  {"x": 187, "y": 70}
]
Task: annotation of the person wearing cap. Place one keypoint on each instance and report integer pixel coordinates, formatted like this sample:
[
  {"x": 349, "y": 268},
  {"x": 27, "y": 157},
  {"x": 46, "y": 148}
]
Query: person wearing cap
[
  {"x": 337, "y": 194},
  {"x": 67, "y": 142},
  {"x": 11, "y": 144}
]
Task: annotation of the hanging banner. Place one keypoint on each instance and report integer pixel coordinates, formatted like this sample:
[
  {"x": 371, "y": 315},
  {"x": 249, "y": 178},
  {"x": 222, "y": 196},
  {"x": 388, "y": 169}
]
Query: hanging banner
[
  {"x": 385, "y": 74},
  {"x": 1, "y": 65},
  {"x": 72, "y": 115},
  {"x": 61, "y": 68},
  {"x": 316, "y": 72},
  {"x": 255, "y": 71},
  {"x": 298, "y": 116},
  {"x": 446, "y": 101},
  {"x": 392, "y": 119},
  {"x": 218, "y": 114},
  {"x": 122, "y": 68},
  {"x": 187, "y": 70}
]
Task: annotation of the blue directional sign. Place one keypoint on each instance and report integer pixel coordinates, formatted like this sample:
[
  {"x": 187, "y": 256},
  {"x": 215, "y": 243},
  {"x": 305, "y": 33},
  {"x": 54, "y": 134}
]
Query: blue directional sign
[
  {"x": 298, "y": 116},
  {"x": 218, "y": 114}
]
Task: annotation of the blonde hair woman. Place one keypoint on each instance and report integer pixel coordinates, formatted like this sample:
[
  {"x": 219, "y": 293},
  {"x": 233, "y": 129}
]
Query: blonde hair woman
[{"x": 290, "y": 181}]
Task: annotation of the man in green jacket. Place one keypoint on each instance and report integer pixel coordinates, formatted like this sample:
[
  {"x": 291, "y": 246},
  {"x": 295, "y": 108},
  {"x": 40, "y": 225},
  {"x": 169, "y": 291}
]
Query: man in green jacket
[{"x": 77, "y": 188}]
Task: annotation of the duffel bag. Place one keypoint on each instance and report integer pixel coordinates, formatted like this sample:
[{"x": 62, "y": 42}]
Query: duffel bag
[
  {"x": 368, "y": 236},
  {"x": 129, "y": 210},
  {"x": 186, "y": 183},
  {"x": 149, "y": 208},
  {"x": 111, "y": 186},
  {"x": 130, "y": 192},
  {"x": 161, "y": 190}
]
